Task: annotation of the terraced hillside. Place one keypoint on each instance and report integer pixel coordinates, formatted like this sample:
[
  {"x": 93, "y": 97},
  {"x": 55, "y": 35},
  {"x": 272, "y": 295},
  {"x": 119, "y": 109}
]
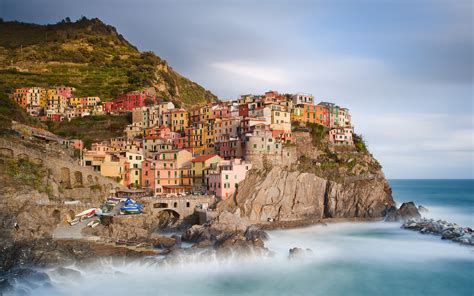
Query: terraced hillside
[{"x": 90, "y": 56}]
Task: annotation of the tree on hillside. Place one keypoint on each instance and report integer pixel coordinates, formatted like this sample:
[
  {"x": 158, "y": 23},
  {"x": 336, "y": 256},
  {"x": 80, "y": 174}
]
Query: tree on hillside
[{"x": 148, "y": 102}]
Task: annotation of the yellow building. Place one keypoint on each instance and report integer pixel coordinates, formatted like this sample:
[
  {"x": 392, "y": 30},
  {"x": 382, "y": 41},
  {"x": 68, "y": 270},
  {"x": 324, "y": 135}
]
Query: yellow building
[
  {"x": 199, "y": 168},
  {"x": 74, "y": 101},
  {"x": 113, "y": 166},
  {"x": 179, "y": 120},
  {"x": 297, "y": 113}
]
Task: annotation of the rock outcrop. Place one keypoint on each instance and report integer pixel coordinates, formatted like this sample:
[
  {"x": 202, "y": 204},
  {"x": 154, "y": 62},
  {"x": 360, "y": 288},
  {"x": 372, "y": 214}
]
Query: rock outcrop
[
  {"x": 295, "y": 253},
  {"x": 447, "y": 231},
  {"x": 282, "y": 195},
  {"x": 407, "y": 210},
  {"x": 228, "y": 233}
]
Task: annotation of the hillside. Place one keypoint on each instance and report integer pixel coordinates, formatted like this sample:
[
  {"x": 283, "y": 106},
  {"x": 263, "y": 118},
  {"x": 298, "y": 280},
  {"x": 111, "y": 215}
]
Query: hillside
[
  {"x": 9, "y": 111},
  {"x": 105, "y": 127},
  {"x": 90, "y": 56}
]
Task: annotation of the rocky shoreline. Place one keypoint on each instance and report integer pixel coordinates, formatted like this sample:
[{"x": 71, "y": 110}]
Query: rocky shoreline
[{"x": 447, "y": 231}]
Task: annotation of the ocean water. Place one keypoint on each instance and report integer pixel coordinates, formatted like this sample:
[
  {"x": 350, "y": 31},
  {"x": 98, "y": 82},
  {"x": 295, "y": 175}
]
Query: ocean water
[{"x": 371, "y": 258}]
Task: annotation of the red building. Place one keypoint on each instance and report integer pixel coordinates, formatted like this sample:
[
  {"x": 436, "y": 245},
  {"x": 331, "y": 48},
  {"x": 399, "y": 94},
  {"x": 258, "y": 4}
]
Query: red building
[
  {"x": 108, "y": 106},
  {"x": 244, "y": 110},
  {"x": 128, "y": 101}
]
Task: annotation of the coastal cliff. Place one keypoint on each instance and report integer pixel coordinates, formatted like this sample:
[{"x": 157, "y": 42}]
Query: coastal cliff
[
  {"x": 320, "y": 182},
  {"x": 284, "y": 195}
]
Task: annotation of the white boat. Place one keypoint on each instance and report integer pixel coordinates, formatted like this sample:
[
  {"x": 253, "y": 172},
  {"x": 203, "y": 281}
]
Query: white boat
[
  {"x": 93, "y": 224},
  {"x": 86, "y": 212},
  {"x": 74, "y": 221}
]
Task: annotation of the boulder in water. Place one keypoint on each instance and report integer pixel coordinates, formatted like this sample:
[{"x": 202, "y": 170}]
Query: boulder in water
[
  {"x": 299, "y": 252},
  {"x": 407, "y": 211}
]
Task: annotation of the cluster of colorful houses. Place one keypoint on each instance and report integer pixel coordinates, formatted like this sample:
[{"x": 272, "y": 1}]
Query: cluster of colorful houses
[
  {"x": 209, "y": 149},
  {"x": 59, "y": 103}
]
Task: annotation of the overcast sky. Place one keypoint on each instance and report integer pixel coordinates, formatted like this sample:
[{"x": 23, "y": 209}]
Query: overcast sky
[{"x": 403, "y": 68}]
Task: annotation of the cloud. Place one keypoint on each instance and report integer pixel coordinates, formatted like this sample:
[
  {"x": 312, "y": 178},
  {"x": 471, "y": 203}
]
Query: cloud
[
  {"x": 251, "y": 71},
  {"x": 405, "y": 70},
  {"x": 417, "y": 145}
]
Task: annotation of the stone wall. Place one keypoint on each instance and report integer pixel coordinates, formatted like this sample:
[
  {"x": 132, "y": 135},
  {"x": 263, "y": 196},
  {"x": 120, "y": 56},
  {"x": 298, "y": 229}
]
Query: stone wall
[{"x": 69, "y": 179}]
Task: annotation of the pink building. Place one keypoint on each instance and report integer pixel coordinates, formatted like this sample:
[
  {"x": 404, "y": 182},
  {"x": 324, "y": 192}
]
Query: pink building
[
  {"x": 224, "y": 180},
  {"x": 64, "y": 91},
  {"x": 172, "y": 171},
  {"x": 148, "y": 175}
]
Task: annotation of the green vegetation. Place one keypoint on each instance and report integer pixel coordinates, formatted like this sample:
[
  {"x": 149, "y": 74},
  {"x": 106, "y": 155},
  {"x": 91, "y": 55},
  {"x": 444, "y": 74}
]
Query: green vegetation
[
  {"x": 318, "y": 134},
  {"x": 92, "y": 128},
  {"x": 90, "y": 56},
  {"x": 24, "y": 172},
  {"x": 9, "y": 111},
  {"x": 360, "y": 143}
]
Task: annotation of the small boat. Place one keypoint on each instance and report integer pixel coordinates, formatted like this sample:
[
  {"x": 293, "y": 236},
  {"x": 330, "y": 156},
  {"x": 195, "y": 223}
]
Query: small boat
[
  {"x": 129, "y": 211},
  {"x": 131, "y": 207},
  {"x": 85, "y": 212},
  {"x": 74, "y": 221},
  {"x": 88, "y": 215},
  {"x": 93, "y": 224}
]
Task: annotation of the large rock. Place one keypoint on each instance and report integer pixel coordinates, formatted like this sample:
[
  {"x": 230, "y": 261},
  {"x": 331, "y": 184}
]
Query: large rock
[
  {"x": 228, "y": 232},
  {"x": 407, "y": 211},
  {"x": 284, "y": 196}
]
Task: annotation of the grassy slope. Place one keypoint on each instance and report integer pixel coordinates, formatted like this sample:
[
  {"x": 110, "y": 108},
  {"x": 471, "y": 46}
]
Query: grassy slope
[
  {"x": 90, "y": 56},
  {"x": 92, "y": 128},
  {"x": 10, "y": 110}
]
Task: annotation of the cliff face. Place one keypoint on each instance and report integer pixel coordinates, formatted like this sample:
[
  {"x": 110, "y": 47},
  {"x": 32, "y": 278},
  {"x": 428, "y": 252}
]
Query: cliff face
[
  {"x": 321, "y": 183},
  {"x": 284, "y": 195}
]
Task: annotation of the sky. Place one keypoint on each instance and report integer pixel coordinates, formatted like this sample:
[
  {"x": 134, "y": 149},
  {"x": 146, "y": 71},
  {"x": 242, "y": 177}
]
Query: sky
[{"x": 403, "y": 68}]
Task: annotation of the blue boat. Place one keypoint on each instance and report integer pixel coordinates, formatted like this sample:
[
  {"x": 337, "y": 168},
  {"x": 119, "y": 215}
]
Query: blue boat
[{"x": 131, "y": 207}]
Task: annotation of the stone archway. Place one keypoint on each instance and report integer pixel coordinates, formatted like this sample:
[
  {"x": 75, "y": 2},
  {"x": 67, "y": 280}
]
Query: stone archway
[
  {"x": 56, "y": 214},
  {"x": 78, "y": 179},
  {"x": 6, "y": 152},
  {"x": 167, "y": 218},
  {"x": 65, "y": 178}
]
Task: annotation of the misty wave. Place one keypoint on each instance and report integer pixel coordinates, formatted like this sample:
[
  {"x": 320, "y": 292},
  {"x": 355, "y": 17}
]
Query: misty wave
[{"x": 344, "y": 256}]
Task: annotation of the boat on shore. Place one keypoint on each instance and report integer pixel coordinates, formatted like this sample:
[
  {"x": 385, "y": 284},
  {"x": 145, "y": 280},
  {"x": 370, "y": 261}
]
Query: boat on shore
[
  {"x": 93, "y": 224},
  {"x": 74, "y": 221},
  {"x": 131, "y": 207}
]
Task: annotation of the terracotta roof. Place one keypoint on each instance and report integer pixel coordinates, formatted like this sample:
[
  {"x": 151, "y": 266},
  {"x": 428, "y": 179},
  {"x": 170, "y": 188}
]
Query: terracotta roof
[{"x": 203, "y": 158}]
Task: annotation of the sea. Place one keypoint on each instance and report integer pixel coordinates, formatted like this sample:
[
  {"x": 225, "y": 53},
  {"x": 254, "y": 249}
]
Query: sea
[{"x": 366, "y": 258}]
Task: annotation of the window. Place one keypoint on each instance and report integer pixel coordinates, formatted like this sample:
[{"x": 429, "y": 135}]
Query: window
[
  {"x": 188, "y": 204},
  {"x": 227, "y": 177}
]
